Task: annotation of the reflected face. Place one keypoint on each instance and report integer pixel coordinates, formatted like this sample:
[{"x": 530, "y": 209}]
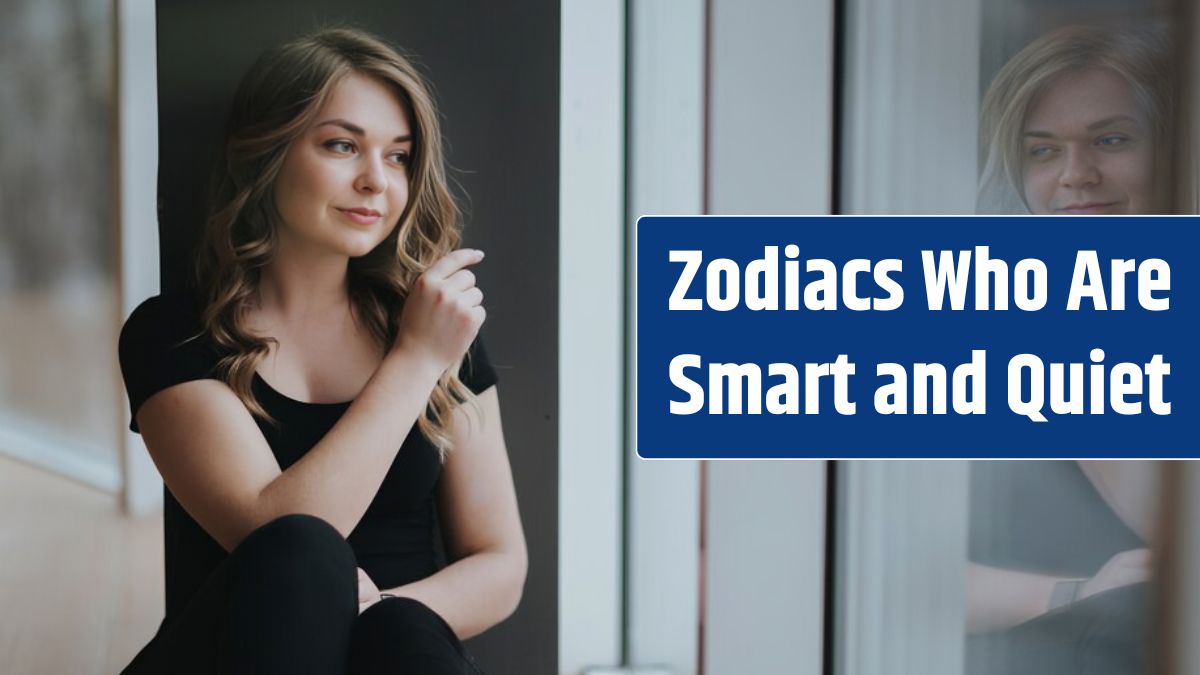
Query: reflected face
[
  {"x": 1087, "y": 148},
  {"x": 344, "y": 182}
]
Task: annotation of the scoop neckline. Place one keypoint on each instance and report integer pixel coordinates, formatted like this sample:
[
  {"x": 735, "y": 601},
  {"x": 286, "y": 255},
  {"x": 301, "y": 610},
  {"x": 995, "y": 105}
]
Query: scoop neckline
[{"x": 280, "y": 395}]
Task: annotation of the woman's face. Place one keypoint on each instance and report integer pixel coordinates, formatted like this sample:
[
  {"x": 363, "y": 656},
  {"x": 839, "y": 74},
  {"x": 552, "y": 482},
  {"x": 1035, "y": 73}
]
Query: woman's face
[
  {"x": 1087, "y": 148},
  {"x": 344, "y": 182}
]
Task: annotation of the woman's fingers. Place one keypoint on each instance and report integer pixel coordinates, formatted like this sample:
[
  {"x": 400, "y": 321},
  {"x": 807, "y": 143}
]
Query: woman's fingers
[
  {"x": 364, "y": 586},
  {"x": 368, "y": 592},
  {"x": 452, "y": 262},
  {"x": 442, "y": 311},
  {"x": 460, "y": 280},
  {"x": 1124, "y": 568},
  {"x": 473, "y": 297}
]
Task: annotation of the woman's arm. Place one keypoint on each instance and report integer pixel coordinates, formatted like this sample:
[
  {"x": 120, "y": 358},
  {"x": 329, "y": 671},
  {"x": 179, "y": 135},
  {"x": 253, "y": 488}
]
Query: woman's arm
[
  {"x": 1130, "y": 488},
  {"x": 219, "y": 466},
  {"x": 999, "y": 598},
  {"x": 217, "y": 463},
  {"x": 481, "y": 527}
]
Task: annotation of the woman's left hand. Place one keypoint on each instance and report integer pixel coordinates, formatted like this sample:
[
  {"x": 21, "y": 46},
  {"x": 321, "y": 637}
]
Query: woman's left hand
[{"x": 368, "y": 593}]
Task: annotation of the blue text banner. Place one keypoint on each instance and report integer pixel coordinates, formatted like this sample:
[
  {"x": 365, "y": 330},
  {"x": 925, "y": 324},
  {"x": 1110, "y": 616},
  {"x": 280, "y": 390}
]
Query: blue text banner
[{"x": 914, "y": 337}]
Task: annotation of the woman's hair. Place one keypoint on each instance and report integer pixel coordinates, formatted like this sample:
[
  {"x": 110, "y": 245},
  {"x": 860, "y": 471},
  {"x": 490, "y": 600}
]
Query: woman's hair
[
  {"x": 275, "y": 103},
  {"x": 1141, "y": 56}
]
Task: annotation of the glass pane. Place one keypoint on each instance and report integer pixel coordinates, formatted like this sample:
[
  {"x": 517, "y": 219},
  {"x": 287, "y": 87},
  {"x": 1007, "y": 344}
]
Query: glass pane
[
  {"x": 57, "y": 282},
  {"x": 1075, "y": 118},
  {"x": 1076, "y": 114}
]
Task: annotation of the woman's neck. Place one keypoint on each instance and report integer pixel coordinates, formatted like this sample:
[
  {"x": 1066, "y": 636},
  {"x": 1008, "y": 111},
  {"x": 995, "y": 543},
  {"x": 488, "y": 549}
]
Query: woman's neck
[{"x": 304, "y": 287}]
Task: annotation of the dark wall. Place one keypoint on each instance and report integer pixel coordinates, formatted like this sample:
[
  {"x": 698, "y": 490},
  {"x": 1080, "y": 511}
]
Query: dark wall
[{"x": 494, "y": 67}]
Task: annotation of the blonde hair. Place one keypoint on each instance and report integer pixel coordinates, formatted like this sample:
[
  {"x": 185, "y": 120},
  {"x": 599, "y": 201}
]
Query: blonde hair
[
  {"x": 1141, "y": 56},
  {"x": 275, "y": 103}
]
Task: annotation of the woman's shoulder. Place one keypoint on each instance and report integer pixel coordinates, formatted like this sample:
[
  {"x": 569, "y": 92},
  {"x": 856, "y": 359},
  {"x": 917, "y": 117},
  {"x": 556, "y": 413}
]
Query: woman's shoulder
[
  {"x": 164, "y": 323},
  {"x": 164, "y": 312},
  {"x": 163, "y": 343}
]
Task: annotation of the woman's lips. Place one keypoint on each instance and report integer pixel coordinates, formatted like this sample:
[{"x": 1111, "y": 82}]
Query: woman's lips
[
  {"x": 361, "y": 216},
  {"x": 1089, "y": 208}
]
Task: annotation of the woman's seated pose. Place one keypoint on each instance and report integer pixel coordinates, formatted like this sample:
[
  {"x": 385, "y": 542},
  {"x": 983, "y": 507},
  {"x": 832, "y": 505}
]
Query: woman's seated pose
[
  {"x": 320, "y": 400},
  {"x": 1076, "y": 123}
]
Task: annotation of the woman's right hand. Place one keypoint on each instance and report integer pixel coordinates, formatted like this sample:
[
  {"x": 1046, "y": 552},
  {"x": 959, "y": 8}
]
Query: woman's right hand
[
  {"x": 443, "y": 311},
  {"x": 1125, "y": 568},
  {"x": 368, "y": 592}
]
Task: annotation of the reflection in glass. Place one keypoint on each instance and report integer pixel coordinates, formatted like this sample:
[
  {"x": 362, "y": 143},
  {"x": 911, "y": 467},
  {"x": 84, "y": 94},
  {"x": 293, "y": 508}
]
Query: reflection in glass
[
  {"x": 1060, "y": 552},
  {"x": 1076, "y": 123}
]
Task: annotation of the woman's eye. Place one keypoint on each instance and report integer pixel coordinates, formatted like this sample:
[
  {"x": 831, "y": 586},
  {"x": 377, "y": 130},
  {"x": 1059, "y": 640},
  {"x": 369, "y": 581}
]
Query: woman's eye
[
  {"x": 1040, "y": 151},
  {"x": 340, "y": 146},
  {"x": 1110, "y": 141},
  {"x": 400, "y": 158}
]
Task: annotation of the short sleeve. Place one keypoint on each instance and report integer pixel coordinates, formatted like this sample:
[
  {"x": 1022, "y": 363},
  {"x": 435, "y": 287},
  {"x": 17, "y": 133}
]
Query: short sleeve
[
  {"x": 158, "y": 348},
  {"x": 477, "y": 372}
]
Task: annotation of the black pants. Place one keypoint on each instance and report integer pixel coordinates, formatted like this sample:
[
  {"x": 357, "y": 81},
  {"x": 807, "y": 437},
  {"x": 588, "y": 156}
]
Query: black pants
[{"x": 286, "y": 601}]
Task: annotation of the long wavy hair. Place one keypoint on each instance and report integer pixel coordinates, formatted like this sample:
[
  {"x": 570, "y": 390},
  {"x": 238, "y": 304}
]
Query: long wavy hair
[
  {"x": 275, "y": 103},
  {"x": 1139, "y": 55}
]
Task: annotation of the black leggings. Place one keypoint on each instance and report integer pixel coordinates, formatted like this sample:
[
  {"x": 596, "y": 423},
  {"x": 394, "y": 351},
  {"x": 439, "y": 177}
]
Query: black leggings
[{"x": 286, "y": 601}]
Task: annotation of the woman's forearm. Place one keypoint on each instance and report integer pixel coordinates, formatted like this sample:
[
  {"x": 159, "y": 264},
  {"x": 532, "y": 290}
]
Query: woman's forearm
[
  {"x": 998, "y": 598},
  {"x": 337, "y": 479},
  {"x": 472, "y": 594}
]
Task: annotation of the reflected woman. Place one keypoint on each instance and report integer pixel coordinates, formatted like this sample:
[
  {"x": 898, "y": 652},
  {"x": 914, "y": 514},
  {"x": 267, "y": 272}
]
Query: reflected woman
[{"x": 1075, "y": 124}]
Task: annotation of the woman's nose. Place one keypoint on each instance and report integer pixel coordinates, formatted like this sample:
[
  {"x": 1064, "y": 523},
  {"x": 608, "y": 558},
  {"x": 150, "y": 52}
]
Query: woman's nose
[
  {"x": 372, "y": 178},
  {"x": 1080, "y": 170}
]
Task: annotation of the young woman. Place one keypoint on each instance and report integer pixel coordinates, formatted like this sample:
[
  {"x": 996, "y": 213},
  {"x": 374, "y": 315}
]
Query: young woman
[
  {"x": 1075, "y": 124},
  {"x": 323, "y": 392}
]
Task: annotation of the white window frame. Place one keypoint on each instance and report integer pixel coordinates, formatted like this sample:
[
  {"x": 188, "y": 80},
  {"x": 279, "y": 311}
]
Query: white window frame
[
  {"x": 137, "y": 115},
  {"x": 590, "y": 311},
  {"x": 666, "y": 176}
]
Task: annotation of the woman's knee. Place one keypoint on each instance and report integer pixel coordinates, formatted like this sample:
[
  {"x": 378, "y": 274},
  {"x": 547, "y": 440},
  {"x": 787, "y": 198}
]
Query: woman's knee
[
  {"x": 301, "y": 548},
  {"x": 293, "y": 531},
  {"x": 399, "y": 632},
  {"x": 293, "y": 597}
]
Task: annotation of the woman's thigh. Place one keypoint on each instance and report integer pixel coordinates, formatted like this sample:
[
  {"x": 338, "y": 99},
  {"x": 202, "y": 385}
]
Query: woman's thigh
[{"x": 401, "y": 635}]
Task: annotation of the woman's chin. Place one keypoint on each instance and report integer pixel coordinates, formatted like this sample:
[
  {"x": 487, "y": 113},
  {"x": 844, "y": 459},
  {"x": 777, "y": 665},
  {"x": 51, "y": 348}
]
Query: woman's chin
[{"x": 357, "y": 247}]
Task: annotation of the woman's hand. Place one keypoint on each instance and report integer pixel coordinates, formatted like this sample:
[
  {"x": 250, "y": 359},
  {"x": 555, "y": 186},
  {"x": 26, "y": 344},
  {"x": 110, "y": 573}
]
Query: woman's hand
[
  {"x": 443, "y": 311},
  {"x": 1125, "y": 568},
  {"x": 368, "y": 593}
]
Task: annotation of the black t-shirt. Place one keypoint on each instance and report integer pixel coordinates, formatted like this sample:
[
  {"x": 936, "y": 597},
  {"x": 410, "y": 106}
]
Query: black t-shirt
[{"x": 394, "y": 541}]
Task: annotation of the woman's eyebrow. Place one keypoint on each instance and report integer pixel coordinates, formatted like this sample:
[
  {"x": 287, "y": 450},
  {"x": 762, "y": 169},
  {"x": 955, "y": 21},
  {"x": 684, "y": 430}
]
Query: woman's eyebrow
[
  {"x": 1098, "y": 124},
  {"x": 358, "y": 131},
  {"x": 1110, "y": 120}
]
